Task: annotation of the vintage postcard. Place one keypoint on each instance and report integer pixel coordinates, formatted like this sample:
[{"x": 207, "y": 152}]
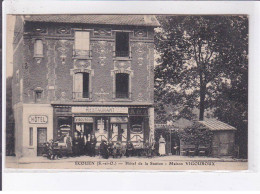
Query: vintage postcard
[{"x": 127, "y": 92}]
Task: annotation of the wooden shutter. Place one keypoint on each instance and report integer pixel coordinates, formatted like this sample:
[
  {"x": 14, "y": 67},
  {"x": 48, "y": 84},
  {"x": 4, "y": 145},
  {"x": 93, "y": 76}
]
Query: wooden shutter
[
  {"x": 82, "y": 40},
  {"x": 78, "y": 85},
  {"x": 38, "y": 48}
]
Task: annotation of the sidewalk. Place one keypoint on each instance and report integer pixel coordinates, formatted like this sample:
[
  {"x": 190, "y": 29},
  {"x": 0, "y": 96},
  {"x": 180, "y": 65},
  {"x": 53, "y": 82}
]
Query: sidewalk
[{"x": 24, "y": 160}]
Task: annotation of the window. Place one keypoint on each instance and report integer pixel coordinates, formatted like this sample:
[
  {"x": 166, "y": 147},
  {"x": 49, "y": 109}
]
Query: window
[
  {"x": 38, "y": 96},
  {"x": 81, "y": 87},
  {"x": 82, "y": 43},
  {"x": 30, "y": 136},
  {"x": 38, "y": 48},
  {"x": 122, "y": 85},
  {"x": 122, "y": 44}
]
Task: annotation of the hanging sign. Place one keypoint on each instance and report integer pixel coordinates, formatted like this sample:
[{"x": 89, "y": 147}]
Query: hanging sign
[
  {"x": 38, "y": 119},
  {"x": 83, "y": 120},
  {"x": 99, "y": 109}
]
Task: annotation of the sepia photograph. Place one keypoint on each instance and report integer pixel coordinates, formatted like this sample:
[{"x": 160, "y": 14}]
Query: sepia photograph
[{"x": 127, "y": 92}]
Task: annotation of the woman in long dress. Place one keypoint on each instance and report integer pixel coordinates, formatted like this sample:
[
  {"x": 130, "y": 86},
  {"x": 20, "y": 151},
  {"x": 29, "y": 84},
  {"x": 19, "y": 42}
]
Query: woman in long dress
[{"x": 162, "y": 146}]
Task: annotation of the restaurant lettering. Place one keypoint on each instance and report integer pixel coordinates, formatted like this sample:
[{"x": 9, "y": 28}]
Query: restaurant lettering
[
  {"x": 93, "y": 109},
  {"x": 38, "y": 119}
]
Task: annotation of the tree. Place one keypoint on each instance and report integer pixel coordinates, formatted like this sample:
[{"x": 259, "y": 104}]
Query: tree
[
  {"x": 203, "y": 64},
  {"x": 198, "y": 56}
]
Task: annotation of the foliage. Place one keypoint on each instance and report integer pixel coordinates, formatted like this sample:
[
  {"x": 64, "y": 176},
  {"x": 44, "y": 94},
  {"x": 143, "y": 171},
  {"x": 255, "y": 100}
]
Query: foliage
[
  {"x": 199, "y": 55},
  {"x": 196, "y": 135}
]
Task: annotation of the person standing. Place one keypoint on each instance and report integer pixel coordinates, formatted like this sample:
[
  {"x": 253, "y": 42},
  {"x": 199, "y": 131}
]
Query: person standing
[
  {"x": 68, "y": 143},
  {"x": 162, "y": 144},
  {"x": 93, "y": 142},
  {"x": 129, "y": 149}
]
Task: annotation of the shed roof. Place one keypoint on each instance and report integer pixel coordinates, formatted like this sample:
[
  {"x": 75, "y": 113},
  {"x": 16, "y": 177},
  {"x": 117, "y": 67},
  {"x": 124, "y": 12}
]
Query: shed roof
[
  {"x": 135, "y": 20},
  {"x": 216, "y": 125}
]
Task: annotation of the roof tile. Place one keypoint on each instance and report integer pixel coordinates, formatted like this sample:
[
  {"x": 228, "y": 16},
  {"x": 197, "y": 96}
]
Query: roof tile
[{"x": 136, "y": 20}]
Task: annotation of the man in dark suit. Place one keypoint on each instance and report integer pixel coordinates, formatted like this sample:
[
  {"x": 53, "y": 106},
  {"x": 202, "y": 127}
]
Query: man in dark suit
[{"x": 93, "y": 142}]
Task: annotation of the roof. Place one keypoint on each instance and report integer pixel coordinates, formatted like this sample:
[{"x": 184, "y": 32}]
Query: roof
[
  {"x": 132, "y": 20},
  {"x": 215, "y": 125}
]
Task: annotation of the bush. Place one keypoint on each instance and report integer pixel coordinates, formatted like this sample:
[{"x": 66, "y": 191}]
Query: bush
[{"x": 196, "y": 135}]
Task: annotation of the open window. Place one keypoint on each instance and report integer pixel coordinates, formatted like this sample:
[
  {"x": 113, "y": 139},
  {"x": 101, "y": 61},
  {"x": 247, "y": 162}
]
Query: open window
[
  {"x": 122, "y": 44},
  {"x": 122, "y": 85},
  {"x": 82, "y": 44},
  {"x": 81, "y": 85}
]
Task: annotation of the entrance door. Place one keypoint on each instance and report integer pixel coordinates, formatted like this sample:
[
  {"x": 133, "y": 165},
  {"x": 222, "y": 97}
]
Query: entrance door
[
  {"x": 41, "y": 140},
  {"x": 119, "y": 132},
  {"x": 88, "y": 129}
]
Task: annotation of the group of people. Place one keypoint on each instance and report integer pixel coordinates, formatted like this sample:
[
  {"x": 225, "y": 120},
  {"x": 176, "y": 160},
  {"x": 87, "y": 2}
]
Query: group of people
[
  {"x": 148, "y": 149},
  {"x": 87, "y": 146},
  {"x": 84, "y": 146}
]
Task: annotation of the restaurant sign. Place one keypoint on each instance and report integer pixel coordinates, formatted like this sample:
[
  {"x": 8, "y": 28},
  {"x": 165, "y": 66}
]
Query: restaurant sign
[
  {"x": 96, "y": 109},
  {"x": 38, "y": 119},
  {"x": 83, "y": 120}
]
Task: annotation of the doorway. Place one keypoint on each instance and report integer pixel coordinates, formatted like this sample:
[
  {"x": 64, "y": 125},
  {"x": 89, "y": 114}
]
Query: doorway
[
  {"x": 41, "y": 140},
  {"x": 119, "y": 132},
  {"x": 88, "y": 130}
]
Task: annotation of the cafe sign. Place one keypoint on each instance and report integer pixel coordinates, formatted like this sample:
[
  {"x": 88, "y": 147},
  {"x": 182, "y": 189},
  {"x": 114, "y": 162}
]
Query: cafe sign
[
  {"x": 83, "y": 120},
  {"x": 38, "y": 119},
  {"x": 95, "y": 109}
]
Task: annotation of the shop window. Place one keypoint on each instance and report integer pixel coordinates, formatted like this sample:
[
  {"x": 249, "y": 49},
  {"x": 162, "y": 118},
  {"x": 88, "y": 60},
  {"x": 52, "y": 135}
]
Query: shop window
[
  {"x": 122, "y": 85},
  {"x": 64, "y": 127},
  {"x": 38, "y": 48},
  {"x": 82, "y": 44},
  {"x": 30, "y": 136},
  {"x": 122, "y": 44},
  {"x": 136, "y": 128},
  {"x": 81, "y": 86},
  {"x": 101, "y": 129}
]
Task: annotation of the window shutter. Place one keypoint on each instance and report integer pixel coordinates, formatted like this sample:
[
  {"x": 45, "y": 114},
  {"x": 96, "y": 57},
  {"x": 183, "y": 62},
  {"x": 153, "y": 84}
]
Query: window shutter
[
  {"x": 38, "y": 48},
  {"x": 82, "y": 40},
  {"x": 78, "y": 87}
]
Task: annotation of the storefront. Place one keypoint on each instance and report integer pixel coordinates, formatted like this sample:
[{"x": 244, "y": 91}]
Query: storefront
[{"x": 109, "y": 123}]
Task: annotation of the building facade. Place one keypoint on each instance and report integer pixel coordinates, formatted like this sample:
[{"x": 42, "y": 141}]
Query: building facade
[{"x": 82, "y": 75}]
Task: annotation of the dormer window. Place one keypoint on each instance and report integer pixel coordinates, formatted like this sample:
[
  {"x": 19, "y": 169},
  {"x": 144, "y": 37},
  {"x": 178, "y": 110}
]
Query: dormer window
[
  {"x": 122, "y": 44},
  {"x": 82, "y": 44}
]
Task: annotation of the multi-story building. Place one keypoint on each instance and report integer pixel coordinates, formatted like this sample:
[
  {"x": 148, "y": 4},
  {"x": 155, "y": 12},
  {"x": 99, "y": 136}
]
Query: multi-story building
[{"x": 82, "y": 75}]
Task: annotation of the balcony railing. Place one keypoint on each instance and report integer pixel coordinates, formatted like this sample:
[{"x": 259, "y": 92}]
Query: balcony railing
[
  {"x": 82, "y": 53},
  {"x": 122, "y": 54},
  {"x": 80, "y": 95}
]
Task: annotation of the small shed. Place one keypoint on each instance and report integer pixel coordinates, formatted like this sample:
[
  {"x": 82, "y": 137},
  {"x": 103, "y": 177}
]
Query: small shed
[{"x": 223, "y": 142}]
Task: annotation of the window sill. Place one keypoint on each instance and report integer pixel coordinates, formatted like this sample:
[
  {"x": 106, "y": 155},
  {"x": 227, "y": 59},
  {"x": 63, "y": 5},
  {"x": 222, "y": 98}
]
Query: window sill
[
  {"x": 82, "y": 57},
  {"x": 122, "y": 58},
  {"x": 82, "y": 100},
  {"x": 122, "y": 100}
]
